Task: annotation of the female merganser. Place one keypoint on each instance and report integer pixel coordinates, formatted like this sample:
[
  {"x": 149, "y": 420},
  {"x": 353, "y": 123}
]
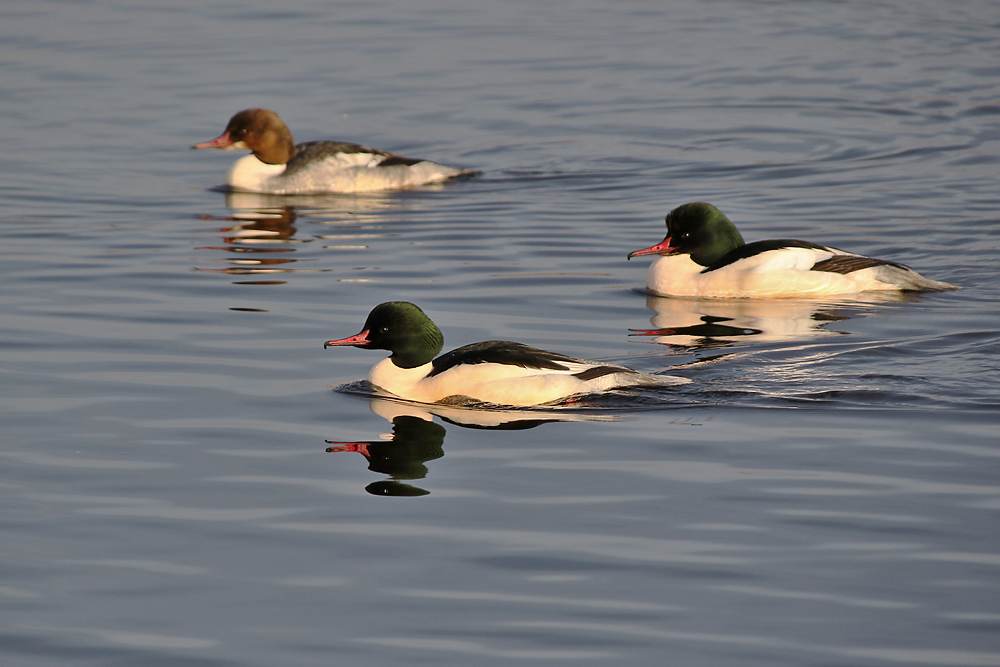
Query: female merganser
[
  {"x": 703, "y": 255},
  {"x": 495, "y": 371},
  {"x": 279, "y": 166}
]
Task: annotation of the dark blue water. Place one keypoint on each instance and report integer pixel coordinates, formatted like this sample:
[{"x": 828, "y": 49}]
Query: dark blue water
[{"x": 823, "y": 493}]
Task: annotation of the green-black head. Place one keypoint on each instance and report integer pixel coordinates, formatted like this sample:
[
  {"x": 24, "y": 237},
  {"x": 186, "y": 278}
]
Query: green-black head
[
  {"x": 403, "y": 329},
  {"x": 699, "y": 230}
]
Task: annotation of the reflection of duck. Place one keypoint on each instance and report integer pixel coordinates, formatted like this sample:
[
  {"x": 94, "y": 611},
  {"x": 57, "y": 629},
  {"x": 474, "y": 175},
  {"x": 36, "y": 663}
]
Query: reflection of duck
[
  {"x": 414, "y": 441},
  {"x": 263, "y": 224},
  {"x": 259, "y": 240},
  {"x": 278, "y": 166},
  {"x": 320, "y": 208},
  {"x": 713, "y": 322},
  {"x": 261, "y": 234},
  {"x": 703, "y": 255},
  {"x": 416, "y": 438},
  {"x": 498, "y": 372}
]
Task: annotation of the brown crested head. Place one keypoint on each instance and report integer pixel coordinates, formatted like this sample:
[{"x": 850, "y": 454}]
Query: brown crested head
[
  {"x": 264, "y": 133},
  {"x": 259, "y": 130}
]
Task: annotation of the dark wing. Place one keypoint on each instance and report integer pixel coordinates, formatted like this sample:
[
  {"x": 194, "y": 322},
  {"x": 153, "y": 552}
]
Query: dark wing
[
  {"x": 757, "y": 247},
  {"x": 851, "y": 263},
  {"x": 501, "y": 352},
  {"x": 396, "y": 160},
  {"x": 314, "y": 151},
  {"x": 311, "y": 151},
  {"x": 598, "y": 371}
]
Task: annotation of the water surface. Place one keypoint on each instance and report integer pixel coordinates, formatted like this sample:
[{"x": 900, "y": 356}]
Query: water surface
[{"x": 823, "y": 493}]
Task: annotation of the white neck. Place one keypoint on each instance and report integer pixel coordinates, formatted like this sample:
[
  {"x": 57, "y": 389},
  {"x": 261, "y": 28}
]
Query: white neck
[
  {"x": 399, "y": 381},
  {"x": 249, "y": 173},
  {"x": 676, "y": 275}
]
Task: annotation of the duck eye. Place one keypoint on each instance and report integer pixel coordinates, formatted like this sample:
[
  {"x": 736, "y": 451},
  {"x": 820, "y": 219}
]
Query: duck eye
[{"x": 384, "y": 330}]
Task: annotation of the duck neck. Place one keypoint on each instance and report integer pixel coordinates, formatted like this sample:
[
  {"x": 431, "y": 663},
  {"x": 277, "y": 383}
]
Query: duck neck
[
  {"x": 724, "y": 239},
  {"x": 418, "y": 349},
  {"x": 275, "y": 147}
]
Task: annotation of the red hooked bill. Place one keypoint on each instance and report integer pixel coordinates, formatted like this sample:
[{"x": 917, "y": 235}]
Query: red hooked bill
[
  {"x": 221, "y": 141},
  {"x": 356, "y": 339},
  {"x": 661, "y": 248}
]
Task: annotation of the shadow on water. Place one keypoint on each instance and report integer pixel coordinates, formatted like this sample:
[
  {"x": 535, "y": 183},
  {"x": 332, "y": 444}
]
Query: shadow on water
[{"x": 416, "y": 438}]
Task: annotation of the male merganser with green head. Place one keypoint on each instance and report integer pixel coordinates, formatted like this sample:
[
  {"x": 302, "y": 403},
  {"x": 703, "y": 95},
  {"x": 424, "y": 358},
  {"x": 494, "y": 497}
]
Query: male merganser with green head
[
  {"x": 278, "y": 166},
  {"x": 498, "y": 372},
  {"x": 703, "y": 255}
]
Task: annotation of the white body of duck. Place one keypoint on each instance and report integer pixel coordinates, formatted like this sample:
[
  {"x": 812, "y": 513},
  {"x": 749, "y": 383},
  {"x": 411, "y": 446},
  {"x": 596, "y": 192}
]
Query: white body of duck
[
  {"x": 278, "y": 166},
  {"x": 498, "y": 372},
  {"x": 703, "y": 255}
]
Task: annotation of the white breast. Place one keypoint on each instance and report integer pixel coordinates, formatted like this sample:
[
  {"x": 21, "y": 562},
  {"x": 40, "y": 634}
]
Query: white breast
[{"x": 250, "y": 174}]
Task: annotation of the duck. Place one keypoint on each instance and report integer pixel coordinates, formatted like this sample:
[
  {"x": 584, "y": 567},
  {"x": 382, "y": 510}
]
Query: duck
[
  {"x": 704, "y": 255},
  {"x": 495, "y": 372},
  {"x": 278, "y": 166}
]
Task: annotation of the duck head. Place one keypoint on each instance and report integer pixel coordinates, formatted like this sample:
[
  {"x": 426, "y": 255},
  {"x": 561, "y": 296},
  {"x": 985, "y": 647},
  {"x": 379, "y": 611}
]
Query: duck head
[
  {"x": 403, "y": 329},
  {"x": 259, "y": 130},
  {"x": 699, "y": 230}
]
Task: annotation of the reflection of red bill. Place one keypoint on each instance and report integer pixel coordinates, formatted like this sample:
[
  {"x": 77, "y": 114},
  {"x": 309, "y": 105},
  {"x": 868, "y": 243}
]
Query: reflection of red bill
[
  {"x": 360, "y": 447},
  {"x": 652, "y": 332}
]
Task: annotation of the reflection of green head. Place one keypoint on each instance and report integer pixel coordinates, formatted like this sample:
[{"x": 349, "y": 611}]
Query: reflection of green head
[
  {"x": 414, "y": 441},
  {"x": 391, "y": 487}
]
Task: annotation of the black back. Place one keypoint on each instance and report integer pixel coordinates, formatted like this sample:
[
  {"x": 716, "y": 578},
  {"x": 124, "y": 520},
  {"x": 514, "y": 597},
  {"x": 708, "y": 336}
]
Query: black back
[
  {"x": 500, "y": 352},
  {"x": 309, "y": 151}
]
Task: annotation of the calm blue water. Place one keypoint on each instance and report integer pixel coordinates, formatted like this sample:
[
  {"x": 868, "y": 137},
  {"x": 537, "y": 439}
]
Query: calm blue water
[{"x": 824, "y": 493}]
